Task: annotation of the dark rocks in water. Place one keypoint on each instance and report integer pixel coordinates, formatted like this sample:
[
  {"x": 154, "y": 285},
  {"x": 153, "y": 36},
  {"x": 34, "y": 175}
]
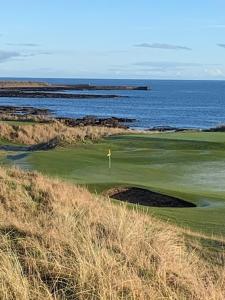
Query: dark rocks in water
[
  {"x": 95, "y": 121},
  {"x": 166, "y": 128},
  {"x": 146, "y": 197},
  {"x": 23, "y": 110},
  {"x": 25, "y": 114},
  {"x": 220, "y": 128},
  {"x": 29, "y": 113},
  {"x": 42, "y": 86},
  {"x": 32, "y": 94},
  {"x": 107, "y": 87}
]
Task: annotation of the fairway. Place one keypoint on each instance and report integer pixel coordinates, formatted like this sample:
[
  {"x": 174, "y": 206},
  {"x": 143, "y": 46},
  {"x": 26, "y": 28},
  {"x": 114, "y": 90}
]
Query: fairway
[{"x": 188, "y": 165}]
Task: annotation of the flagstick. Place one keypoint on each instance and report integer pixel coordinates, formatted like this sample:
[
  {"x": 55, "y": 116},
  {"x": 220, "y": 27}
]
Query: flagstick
[
  {"x": 109, "y": 156},
  {"x": 109, "y": 162}
]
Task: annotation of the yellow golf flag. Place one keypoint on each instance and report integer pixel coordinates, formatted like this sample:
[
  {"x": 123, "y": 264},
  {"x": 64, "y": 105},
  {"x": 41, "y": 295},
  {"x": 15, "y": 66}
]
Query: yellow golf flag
[{"x": 109, "y": 153}]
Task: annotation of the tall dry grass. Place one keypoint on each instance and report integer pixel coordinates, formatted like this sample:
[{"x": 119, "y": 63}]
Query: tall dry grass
[
  {"x": 57, "y": 241},
  {"x": 39, "y": 133}
]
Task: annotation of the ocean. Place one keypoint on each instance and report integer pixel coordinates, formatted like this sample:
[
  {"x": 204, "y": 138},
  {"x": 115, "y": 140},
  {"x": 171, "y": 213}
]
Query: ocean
[{"x": 176, "y": 103}]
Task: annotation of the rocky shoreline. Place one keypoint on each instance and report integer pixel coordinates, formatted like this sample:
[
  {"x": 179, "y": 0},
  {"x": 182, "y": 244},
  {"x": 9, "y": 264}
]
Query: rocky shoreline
[
  {"x": 32, "y": 114},
  {"x": 29, "y": 89},
  {"x": 32, "y": 94},
  {"x": 96, "y": 121},
  {"x": 169, "y": 129},
  {"x": 43, "y": 115},
  {"x": 23, "y": 110},
  {"x": 44, "y": 86}
]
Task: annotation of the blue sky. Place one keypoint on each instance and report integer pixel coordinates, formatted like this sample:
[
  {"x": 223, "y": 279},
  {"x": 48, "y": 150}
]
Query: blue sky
[{"x": 113, "y": 39}]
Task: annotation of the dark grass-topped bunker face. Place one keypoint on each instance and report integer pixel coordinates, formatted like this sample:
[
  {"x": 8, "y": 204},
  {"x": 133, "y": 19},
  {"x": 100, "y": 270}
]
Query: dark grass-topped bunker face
[{"x": 146, "y": 197}]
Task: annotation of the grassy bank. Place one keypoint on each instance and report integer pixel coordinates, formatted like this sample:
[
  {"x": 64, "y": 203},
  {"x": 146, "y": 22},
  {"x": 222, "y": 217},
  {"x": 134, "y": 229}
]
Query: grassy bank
[
  {"x": 30, "y": 134},
  {"x": 186, "y": 165},
  {"x": 60, "y": 242}
]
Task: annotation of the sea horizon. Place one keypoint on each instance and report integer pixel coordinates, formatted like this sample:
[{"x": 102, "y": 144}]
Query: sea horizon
[{"x": 190, "y": 104}]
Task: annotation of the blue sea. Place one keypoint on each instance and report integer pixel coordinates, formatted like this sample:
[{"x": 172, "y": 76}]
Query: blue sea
[{"x": 186, "y": 103}]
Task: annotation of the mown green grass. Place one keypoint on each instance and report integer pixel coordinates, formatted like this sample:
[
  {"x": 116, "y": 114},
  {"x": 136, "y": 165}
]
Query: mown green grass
[{"x": 187, "y": 165}]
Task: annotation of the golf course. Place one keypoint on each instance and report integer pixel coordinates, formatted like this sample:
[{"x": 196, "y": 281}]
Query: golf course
[{"x": 186, "y": 165}]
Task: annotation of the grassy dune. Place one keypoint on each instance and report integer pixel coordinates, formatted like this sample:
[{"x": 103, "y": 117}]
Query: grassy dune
[
  {"x": 60, "y": 242},
  {"x": 38, "y": 133}
]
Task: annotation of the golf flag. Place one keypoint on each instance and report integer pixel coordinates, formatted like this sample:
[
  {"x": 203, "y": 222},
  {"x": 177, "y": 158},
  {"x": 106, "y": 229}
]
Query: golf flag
[{"x": 109, "y": 156}]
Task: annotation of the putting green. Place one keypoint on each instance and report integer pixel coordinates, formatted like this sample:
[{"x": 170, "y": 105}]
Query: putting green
[{"x": 188, "y": 165}]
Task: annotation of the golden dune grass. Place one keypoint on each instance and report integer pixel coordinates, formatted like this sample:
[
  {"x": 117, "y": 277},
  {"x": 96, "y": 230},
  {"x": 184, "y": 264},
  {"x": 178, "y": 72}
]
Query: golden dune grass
[
  {"x": 38, "y": 133},
  {"x": 57, "y": 241}
]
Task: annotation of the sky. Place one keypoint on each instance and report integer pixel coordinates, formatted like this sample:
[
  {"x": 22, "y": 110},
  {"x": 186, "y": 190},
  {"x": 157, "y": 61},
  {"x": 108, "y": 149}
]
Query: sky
[{"x": 144, "y": 39}]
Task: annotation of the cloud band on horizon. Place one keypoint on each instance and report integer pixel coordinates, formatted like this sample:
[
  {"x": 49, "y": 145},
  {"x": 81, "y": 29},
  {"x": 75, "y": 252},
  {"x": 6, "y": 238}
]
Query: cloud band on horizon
[
  {"x": 6, "y": 55},
  {"x": 23, "y": 44},
  {"x": 221, "y": 45},
  {"x": 162, "y": 46}
]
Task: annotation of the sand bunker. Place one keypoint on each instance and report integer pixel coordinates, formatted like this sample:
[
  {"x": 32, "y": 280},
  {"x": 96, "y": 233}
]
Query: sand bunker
[{"x": 145, "y": 197}]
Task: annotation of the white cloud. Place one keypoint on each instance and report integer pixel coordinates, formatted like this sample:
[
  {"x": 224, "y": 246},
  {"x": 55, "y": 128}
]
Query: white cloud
[
  {"x": 215, "y": 72},
  {"x": 173, "y": 70}
]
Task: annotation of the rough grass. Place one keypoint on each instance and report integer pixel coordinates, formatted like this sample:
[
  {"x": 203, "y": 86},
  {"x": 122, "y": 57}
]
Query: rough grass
[
  {"x": 39, "y": 133},
  {"x": 18, "y": 84},
  {"x": 23, "y": 118},
  {"x": 57, "y": 241}
]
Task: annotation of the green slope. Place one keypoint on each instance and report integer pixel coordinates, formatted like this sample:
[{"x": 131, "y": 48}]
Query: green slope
[{"x": 188, "y": 165}]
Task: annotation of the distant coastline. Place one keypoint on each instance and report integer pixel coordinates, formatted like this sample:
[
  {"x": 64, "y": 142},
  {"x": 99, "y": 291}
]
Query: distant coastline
[
  {"x": 174, "y": 103},
  {"x": 33, "y": 89}
]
